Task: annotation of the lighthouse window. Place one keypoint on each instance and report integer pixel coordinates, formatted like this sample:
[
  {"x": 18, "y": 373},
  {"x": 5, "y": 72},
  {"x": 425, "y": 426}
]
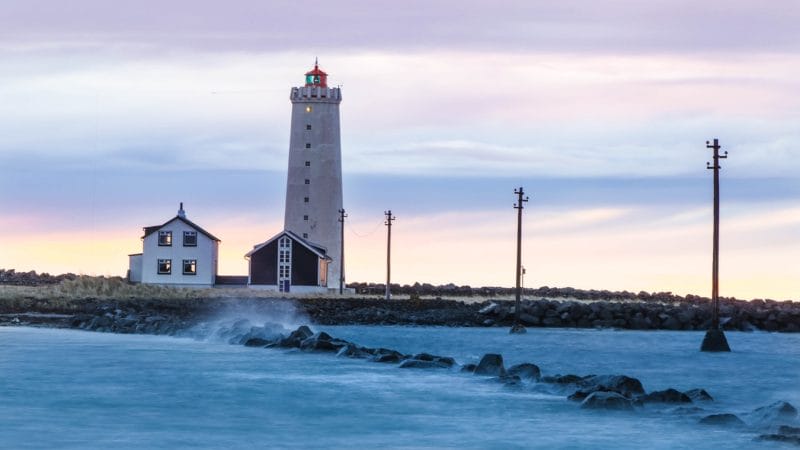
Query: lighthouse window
[
  {"x": 165, "y": 238},
  {"x": 308, "y": 163},
  {"x": 305, "y": 217},
  {"x": 305, "y": 199},
  {"x": 190, "y": 238},
  {"x": 164, "y": 266},
  {"x": 308, "y": 109},
  {"x": 305, "y": 235},
  {"x": 308, "y": 126},
  {"x": 190, "y": 267},
  {"x": 308, "y": 145},
  {"x": 308, "y": 181}
]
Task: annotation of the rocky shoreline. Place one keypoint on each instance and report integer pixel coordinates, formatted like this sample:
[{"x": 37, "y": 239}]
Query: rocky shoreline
[{"x": 170, "y": 316}]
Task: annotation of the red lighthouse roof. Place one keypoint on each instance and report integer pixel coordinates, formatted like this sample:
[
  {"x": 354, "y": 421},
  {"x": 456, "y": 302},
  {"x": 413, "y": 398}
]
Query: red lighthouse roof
[{"x": 316, "y": 77}]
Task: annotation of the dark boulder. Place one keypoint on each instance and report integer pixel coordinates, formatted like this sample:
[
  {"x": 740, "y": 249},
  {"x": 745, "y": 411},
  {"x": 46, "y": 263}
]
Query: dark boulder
[
  {"x": 355, "y": 351},
  {"x": 667, "y": 396},
  {"x": 562, "y": 379},
  {"x": 699, "y": 395},
  {"x": 622, "y": 384},
  {"x": 778, "y": 413},
  {"x": 296, "y": 337},
  {"x": 491, "y": 364},
  {"x": 257, "y": 342},
  {"x": 422, "y": 364},
  {"x": 469, "y": 367},
  {"x": 525, "y": 371},
  {"x": 725, "y": 419},
  {"x": 323, "y": 342},
  {"x": 385, "y": 355},
  {"x": 607, "y": 400}
]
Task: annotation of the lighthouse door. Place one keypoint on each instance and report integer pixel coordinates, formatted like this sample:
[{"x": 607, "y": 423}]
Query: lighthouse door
[{"x": 284, "y": 264}]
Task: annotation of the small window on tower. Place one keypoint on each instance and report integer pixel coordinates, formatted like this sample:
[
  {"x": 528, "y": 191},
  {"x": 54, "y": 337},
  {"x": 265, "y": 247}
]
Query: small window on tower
[
  {"x": 308, "y": 181},
  {"x": 308, "y": 126},
  {"x": 305, "y": 217},
  {"x": 308, "y": 163},
  {"x": 308, "y": 109},
  {"x": 305, "y": 199},
  {"x": 305, "y": 235},
  {"x": 308, "y": 145}
]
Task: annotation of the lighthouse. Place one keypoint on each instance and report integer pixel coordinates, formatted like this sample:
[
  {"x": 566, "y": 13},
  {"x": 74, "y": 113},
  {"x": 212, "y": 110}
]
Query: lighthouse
[{"x": 314, "y": 180}]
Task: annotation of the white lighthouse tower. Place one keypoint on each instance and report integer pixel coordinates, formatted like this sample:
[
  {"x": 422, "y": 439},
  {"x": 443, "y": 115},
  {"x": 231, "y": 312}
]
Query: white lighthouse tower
[{"x": 314, "y": 183}]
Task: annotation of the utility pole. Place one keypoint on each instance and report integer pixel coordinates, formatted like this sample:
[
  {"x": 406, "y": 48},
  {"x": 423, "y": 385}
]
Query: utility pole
[
  {"x": 715, "y": 340},
  {"x": 517, "y": 328},
  {"x": 342, "y": 215},
  {"x": 388, "y": 223}
]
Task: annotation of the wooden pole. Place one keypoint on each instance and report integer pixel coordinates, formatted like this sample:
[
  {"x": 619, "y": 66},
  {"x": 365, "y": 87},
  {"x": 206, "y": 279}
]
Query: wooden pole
[
  {"x": 342, "y": 216},
  {"x": 517, "y": 327},
  {"x": 388, "y": 223},
  {"x": 715, "y": 340}
]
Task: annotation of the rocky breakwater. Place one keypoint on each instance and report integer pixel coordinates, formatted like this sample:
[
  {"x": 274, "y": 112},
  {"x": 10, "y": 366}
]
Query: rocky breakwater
[
  {"x": 735, "y": 315},
  {"x": 615, "y": 392}
]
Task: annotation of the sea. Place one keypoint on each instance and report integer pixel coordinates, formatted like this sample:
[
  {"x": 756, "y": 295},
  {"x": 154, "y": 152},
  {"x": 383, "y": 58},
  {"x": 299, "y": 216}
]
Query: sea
[{"x": 69, "y": 389}]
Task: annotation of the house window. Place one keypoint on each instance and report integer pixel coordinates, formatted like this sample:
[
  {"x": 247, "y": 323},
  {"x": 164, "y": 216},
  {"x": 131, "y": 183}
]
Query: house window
[
  {"x": 308, "y": 163},
  {"x": 165, "y": 238},
  {"x": 305, "y": 199},
  {"x": 305, "y": 217},
  {"x": 308, "y": 181},
  {"x": 308, "y": 126},
  {"x": 284, "y": 264},
  {"x": 190, "y": 238},
  {"x": 309, "y": 108},
  {"x": 164, "y": 266},
  {"x": 308, "y": 145},
  {"x": 190, "y": 267},
  {"x": 284, "y": 256}
]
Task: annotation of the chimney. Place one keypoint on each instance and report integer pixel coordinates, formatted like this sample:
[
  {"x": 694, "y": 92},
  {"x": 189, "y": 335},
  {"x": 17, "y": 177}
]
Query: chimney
[{"x": 181, "y": 212}]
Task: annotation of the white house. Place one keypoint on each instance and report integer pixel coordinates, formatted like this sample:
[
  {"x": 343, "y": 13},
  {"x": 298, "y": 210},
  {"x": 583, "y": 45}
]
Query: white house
[{"x": 179, "y": 252}]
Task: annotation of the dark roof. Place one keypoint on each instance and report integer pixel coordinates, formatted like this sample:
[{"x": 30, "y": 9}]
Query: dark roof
[
  {"x": 152, "y": 229},
  {"x": 315, "y": 248}
]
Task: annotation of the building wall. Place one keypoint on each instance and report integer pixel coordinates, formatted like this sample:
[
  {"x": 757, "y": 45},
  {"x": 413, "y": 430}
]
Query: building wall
[
  {"x": 324, "y": 172},
  {"x": 135, "y": 268},
  {"x": 264, "y": 265},
  {"x": 206, "y": 254}
]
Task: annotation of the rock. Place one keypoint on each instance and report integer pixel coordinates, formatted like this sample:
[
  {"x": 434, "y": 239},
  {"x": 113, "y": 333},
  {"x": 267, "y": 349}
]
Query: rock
[
  {"x": 355, "y": 351},
  {"x": 489, "y": 309},
  {"x": 257, "y": 342},
  {"x": 446, "y": 360},
  {"x": 296, "y": 337},
  {"x": 607, "y": 400},
  {"x": 491, "y": 364},
  {"x": 562, "y": 379},
  {"x": 385, "y": 355},
  {"x": 725, "y": 419},
  {"x": 525, "y": 371},
  {"x": 322, "y": 341},
  {"x": 667, "y": 396},
  {"x": 421, "y": 364},
  {"x": 778, "y": 437},
  {"x": 699, "y": 395},
  {"x": 622, "y": 384},
  {"x": 469, "y": 367},
  {"x": 778, "y": 413}
]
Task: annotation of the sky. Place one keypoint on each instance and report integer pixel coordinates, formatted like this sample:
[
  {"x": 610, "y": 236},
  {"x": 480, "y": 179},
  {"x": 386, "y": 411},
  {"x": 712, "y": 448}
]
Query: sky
[{"x": 111, "y": 113}]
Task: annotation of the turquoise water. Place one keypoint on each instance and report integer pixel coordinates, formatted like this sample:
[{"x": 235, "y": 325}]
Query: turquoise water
[{"x": 74, "y": 389}]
